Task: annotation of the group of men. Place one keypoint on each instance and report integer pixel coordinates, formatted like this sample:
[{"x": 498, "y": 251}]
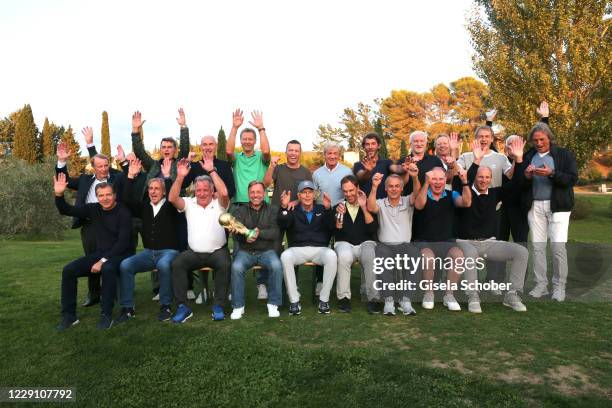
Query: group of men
[{"x": 443, "y": 206}]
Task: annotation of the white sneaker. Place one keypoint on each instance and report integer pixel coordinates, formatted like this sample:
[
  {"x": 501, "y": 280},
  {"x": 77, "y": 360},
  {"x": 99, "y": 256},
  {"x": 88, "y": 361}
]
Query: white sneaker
[
  {"x": 155, "y": 298},
  {"x": 262, "y": 292},
  {"x": 512, "y": 300},
  {"x": 474, "y": 303},
  {"x": 273, "y": 311},
  {"x": 389, "y": 309},
  {"x": 558, "y": 294},
  {"x": 237, "y": 313},
  {"x": 539, "y": 290},
  {"x": 190, "y": 295},
  {"x": 200, "y": 299},
  {"x": 318, "y": 289},
  {"x": 406, "y": 307},
  {"x": 428, "y": 301},
  {"x": 450, "y": 302}
]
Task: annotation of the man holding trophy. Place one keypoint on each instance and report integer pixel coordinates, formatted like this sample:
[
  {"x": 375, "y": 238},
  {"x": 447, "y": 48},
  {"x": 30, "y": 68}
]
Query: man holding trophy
[{"x": 255, "y": 228}]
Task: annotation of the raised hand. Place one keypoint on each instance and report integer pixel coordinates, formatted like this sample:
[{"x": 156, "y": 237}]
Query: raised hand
[
  {"x": 59, "y": 184},
  {"x": 428, "y": 177},
  {"x": 462, "y": 175},
  {"x": 491, "y": 115},
  {"x": 274, "y": 161},
  {"x": 257, "y": 121},
  {"x": 120, "y": 154},
  {"x": 181, "y": 119},
  {"x": 285, "y": 197},
  {"x": 166, "y": 167},
  {"x": 137, "y": 122},
  {"x": 237, "y": 118},
  {"x": 517, "y": 147},
  {"x": 87, "y": 134},
  {"x": 477, "y": 150},
  {"x": 412, "y": 170},
  {"x": 362, "y": 199},
  {"x": 63, "y": 153},
  {"x": 207, "y": 164},
  {"x": 192, "y": 155},
  {"x": 376, "y": 180},
  {"x": 544, "y": 171},
  {"x": 454, "y": 141},
  {"x": 326, "y": 201},
  {"x": 182, "y": 167},
  {"x": 542, "y": 110},
  {"x": 368, "y": 163},
  {"x": 135, "y": 168},
  {"x": 450, "y": 161}
]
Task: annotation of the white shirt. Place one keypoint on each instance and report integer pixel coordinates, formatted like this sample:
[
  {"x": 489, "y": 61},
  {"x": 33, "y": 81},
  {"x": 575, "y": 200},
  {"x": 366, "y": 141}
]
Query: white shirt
[
  {"x": 91, "y": 197},
  {"x": 497, "y": 162},
  {"x": 204, "y": 233},
  {"x": 157, "y": 207}
]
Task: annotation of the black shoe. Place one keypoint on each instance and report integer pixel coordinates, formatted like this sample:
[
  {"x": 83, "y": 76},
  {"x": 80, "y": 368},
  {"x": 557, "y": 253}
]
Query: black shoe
[
  {"x": 91, "y": 300},
  {"x": 165, "y": 313},
  {"x": 127, "y": 313},
  {"x": 344, "y": 305},
  {"x": 67, "y": 322},
  {"x": 295, "y": 309},
  {"x": 324, "y": 307},
  {"x": 373, "y": 307},
  {"x": 105, "y": 322}
]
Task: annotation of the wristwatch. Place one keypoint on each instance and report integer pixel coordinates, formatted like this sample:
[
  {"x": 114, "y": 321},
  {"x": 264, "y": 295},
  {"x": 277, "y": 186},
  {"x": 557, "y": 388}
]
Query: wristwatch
[
  {"x": 214, "y": 169},
  {"x": 103, "y": 260}
]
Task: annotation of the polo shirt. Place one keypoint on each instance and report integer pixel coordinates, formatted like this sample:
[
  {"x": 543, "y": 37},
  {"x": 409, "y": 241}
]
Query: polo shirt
[
  {"x": 247, "y": 169},
  {"x": 395, "y": 223},
  {"x": 286, "y": 178},
  {"x": 328, "y": 181},
  {"x": 204, "y": 233}
]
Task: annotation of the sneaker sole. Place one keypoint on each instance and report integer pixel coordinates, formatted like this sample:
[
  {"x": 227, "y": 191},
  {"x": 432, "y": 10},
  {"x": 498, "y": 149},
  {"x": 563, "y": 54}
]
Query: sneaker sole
[
  {"x": 328, "y": 312},
  {"x": 511, "y": 307},
  {"x": 184, "y": 320},
  {"x": 428, "y": 306},
  {"x": 452, "y": 310}
]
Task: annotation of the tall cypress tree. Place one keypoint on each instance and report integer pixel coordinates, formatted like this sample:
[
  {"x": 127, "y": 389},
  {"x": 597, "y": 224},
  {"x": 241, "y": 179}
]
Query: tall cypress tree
[
  {"x": 221, "y": 142},
  {"x": 378, "y": 128},
  {"x": 106, "y": 148},
  {"x": 403, "y": 149},
  {"x": 47, "y": 145},
  {"x": 76, "y": 164},
  {"x": 25, "y": 143}
]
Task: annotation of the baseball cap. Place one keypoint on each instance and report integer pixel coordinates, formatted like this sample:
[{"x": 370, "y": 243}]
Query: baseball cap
[{"x": 305, "y": 184}]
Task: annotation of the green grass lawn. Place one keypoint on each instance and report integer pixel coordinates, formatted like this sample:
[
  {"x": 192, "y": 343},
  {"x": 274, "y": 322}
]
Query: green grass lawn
[{"x": 553, "y": 355}]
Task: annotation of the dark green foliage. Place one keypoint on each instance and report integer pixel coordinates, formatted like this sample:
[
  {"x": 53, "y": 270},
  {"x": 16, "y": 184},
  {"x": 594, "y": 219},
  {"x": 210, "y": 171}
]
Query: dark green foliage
[
  {"x": 221, "y": 143},
  {"x": 25, "y": 144}
]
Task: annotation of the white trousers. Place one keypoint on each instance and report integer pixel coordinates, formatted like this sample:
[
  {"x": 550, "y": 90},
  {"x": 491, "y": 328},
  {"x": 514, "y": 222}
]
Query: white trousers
[{"x": 319, "y": 255}]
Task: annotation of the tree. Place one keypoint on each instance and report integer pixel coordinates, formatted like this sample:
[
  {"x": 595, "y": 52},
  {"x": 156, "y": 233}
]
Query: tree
[
  {"x": 404, "y": 112},
  {"x": 470, "y": 97},
  {"x": 357, "y": 124},
  {"x": 403, "y": 149},
  {"x": 47, "y": 143},
  {"x": 327, "y": 133},
  {"x": 378, "y": 129},
  {"x": 7, "y": 133},
  {"x": 221, "y": 142},
  {"x": 76, "y": 163},
  {"x": 25, "y": 143},
  {"x": 105, "y": 135},
  {"x": 528, "y": 51}
]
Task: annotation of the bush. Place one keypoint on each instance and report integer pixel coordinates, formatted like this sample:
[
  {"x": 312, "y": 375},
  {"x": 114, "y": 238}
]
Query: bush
[
  {"x": 605, "y": 159},
  {"x": 593, "y": 175},
  {"x": 582, "y": 208},
  {"x": 27, "y": 200}
]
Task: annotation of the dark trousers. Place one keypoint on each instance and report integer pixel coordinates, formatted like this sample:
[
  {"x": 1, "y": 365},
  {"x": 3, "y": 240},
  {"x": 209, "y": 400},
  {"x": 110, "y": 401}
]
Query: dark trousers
[
  {"x": 512, "y": 219},
  {"x": 88, "y": 239},
  {"x": 82, "y": 267},
  {"x": 188, "y": 261}
]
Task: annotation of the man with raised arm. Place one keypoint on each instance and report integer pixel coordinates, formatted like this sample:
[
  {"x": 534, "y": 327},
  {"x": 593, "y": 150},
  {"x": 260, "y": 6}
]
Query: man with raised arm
[
  {"x": 207, "y": 239},
  {"x": 372, "y": 164},
  {"x": 418, "y": 154},
  {"x": 112, "y": 224}
]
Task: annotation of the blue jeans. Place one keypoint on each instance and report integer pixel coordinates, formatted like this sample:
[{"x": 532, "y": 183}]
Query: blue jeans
[
  {"x": 148, "y": 259},
  {"x": 243, "y": 261}
]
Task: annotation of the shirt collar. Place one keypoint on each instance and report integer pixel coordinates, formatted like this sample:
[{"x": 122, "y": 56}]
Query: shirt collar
[
  {"x": 331, "y": 170},
  {"x": 161, "y": 202},
  {"x": 430, "y": 195},
  {"x": 478, "y": 193}
]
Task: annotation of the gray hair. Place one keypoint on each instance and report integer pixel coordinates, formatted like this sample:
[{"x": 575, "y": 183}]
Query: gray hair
[
  {"x": 160, "y": 181},
  {"x": 485, "y": 168},
  {"x": 208, "y": 137},
  {"x": 510, "y": 139},
  {"x": 479, "y": 128},
  {"x": 101, "y": 157},
  {"x": 417, "y": 133},
  {"x": 392, "y": 176},
  {"x": 544, "y": 128},
  {"x": 331, "y": 145},
  {"x": 204, "y": 179}
]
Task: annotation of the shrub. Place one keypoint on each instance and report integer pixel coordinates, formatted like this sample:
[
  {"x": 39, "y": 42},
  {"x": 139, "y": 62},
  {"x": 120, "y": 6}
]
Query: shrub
[
  {"x": 593, "y": 175},
  {"x": 582, "y": 208},
  {"x": 27, "y": 201}
]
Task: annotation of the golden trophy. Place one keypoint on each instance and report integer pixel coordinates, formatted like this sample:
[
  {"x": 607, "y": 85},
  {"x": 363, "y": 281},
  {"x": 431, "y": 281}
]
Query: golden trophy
[{"x": 229, "y": 222}]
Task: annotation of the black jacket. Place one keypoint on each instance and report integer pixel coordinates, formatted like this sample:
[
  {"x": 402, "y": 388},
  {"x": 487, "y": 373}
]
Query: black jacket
[
  {"x": 300, "y": 232},
  {"x": 224, "y": 169},
  {"x": 266, "y": 220},
  {"x": 564, "y": 178}
]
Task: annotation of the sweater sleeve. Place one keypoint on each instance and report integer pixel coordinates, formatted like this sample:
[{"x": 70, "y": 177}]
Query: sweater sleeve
[
  {"x": 140, "y": 152},
  {"x": 123, "y": 243},
  {"x": 567, "y": 175},
  {"x": 184, "y": 143},
  {"x": 285, "y": 218},
  {"x": 80, "y": 211},
  {"x": 272, "y": 232}
]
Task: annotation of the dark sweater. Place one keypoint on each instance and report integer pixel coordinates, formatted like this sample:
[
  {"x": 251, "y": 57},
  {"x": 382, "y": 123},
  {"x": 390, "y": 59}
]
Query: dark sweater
[
  {"x": 224, "y": 169},
  {"x": 424, "y": 165},
  {"x": 356, "y": 232},
  {"x": 266, "y": 220},
  {"x": 434, "y": 223},
  {"x": 479, "y": 221},
  {"x": 113, "y": 227},
  {"x": 302, "y": 233}
]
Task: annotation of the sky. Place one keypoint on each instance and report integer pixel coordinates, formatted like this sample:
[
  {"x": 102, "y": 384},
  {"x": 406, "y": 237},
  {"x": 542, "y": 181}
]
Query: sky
[{"x": 300, "y": 63}]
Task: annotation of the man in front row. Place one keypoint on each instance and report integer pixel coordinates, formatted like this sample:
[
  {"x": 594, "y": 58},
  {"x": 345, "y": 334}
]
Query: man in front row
[
  {"x": 308, "y": 228},
  {"x": 259, "y": 249},
  {"x": 206, "y": 237},
  {"x": 112, "y": 224}
]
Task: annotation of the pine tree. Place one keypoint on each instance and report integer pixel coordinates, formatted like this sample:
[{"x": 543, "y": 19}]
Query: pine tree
[
  {"x": 76, "y": 163},
  {"x": 106, "y": 147},
  {"x": 47, "y": 145},
  {"x": 221, "y": 142},
  {"x": 378, "y": 128},
  {"x": 25, "y": 143}
]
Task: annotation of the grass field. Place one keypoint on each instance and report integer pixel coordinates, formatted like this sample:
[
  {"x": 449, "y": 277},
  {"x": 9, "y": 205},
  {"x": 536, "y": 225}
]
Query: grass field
[{"x": 553, "y": 355}]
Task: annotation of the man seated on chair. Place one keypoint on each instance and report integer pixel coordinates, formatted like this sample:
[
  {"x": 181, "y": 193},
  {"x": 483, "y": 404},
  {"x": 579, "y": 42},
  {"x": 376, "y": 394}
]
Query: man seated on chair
[
  {"x": 355, "y": 240},
  {"x": 259, "y": 249},
  {"x": 206, "y": 237},
  {"x": 308, "y": 228},
  {"x": 159, "y": 238},
  {"x": 112, "y": 224}
]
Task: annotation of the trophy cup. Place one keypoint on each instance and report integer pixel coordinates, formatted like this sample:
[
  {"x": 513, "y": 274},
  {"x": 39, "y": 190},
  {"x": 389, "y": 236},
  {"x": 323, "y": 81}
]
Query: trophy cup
[{"x": 229, "y": 222}]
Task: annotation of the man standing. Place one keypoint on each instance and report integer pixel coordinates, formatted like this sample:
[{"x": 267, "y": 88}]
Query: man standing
[
  {"x": 259, "y": 249},
  {"x": 160, "y": 241},
  {"x": 355, "y": 240},
  {"x": 424, "y": 161},
  {"x": 286, "y": 177},
  {"x": 112, "y": 224},
  {"x": 548, "y": 192},
  {"x": 208, "y": 145},
  {"x": 207, "y": 239},
  {"x": 308, "y": 228},
  {"x": 372, "y": 164},
  {"x": 327, "y": 178}
]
